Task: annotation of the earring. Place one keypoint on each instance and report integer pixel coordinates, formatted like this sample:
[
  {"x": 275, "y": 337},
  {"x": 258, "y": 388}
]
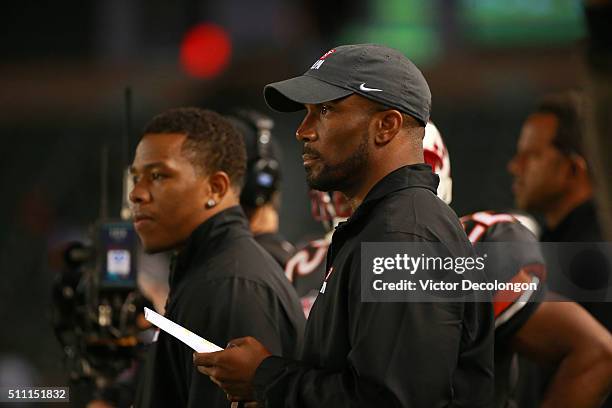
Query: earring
[{"x": 211, "y": 203}]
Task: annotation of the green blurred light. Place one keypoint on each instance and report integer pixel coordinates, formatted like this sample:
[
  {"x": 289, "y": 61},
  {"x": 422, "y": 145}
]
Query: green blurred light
[
  {"x": 402, "y": 24},
  {"x": 419, "y": 44},
  {"x": 522, "y": 22}
]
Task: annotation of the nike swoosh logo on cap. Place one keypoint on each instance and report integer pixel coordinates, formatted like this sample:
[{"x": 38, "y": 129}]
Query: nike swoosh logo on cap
[{"x": 365, "y": 88}]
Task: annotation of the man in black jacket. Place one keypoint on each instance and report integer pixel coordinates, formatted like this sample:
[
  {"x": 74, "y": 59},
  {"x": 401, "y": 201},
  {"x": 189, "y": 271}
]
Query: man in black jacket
[
  {"x": 187, "y": 174},
  {"x": 552, "y": 178},
  {"x": 367, "y": 107}
]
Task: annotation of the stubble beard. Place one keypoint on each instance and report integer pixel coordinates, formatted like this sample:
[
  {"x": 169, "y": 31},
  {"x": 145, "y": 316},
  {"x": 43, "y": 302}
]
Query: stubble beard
[{"x": 342, "y": 176}]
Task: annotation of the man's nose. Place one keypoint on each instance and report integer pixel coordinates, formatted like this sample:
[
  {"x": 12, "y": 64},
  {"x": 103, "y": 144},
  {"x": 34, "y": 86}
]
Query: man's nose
[
  {"x": 306, "y": 130},
  {"x": 139, "y": 194},
  {"x": 513, "y": 166}
]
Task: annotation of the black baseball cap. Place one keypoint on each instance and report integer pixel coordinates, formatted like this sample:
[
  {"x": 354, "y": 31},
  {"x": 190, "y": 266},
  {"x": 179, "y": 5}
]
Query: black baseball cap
[{"x": 373, "y": 71}]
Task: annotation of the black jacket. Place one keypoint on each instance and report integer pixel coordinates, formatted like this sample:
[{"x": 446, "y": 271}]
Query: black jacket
[
  {"x": 277, "y": 246},
  {"x": 223, "y": 285},
  {"x": 388, "y": 354},
  {"x": 582, "y": 225}
]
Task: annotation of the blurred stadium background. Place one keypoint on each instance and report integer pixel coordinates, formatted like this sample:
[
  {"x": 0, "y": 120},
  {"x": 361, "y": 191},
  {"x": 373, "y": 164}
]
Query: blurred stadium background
[{"x": 65, "y": 66}]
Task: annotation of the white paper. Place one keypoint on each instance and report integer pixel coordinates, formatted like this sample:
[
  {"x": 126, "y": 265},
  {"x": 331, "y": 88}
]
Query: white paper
[{"x": 179, "y": 332}]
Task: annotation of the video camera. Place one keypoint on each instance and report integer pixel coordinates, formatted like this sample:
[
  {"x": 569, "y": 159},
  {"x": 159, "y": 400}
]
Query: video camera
[
  {"x": 97, "y": 303},
  {"x": 97, "y": 306}
]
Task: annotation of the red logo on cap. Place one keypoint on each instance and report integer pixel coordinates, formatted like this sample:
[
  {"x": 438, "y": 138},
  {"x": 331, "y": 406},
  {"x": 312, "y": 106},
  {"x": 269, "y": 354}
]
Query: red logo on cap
[{"x": 327, "y": 54}]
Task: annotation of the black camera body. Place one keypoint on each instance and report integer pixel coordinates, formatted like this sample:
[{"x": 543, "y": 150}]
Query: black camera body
[{"x": 97, "y": 304}]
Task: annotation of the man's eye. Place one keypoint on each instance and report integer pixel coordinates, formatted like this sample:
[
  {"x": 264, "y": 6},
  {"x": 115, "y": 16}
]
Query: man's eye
[
  {"x": 157, "y": 176},
  {"x": 135, "y": 179},
  {"x": 324, "y": 109}
]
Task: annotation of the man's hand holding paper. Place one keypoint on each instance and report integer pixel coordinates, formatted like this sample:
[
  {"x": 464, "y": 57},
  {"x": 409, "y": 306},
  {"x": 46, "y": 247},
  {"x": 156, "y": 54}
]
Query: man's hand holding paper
[{"x": 233, "y": 369}]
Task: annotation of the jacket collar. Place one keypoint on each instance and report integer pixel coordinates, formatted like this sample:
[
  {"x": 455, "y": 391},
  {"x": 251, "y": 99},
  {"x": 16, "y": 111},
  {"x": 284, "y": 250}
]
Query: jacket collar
[
  {"x": 410, "y": 176},
  {"x": 580, "y": 217},
  {"x": 208, "y": 238}
]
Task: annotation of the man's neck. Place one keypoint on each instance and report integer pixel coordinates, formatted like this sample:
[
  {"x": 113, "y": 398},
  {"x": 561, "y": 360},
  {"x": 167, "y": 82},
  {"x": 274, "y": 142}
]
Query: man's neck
[
  {"x": 222, "y": 206},
  {"x": 264, "y": 220},
  {"x": 556, "y": 215},
  {"x": 375, "y": 175}
]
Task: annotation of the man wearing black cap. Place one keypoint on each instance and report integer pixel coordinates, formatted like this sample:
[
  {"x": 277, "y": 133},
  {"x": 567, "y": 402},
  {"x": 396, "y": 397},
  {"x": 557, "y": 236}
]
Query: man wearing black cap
[{"x": 367, "y": 107}]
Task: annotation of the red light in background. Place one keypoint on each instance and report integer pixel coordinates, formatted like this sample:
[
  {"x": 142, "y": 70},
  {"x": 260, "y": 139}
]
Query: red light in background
[{"x": 205, "y": 51}]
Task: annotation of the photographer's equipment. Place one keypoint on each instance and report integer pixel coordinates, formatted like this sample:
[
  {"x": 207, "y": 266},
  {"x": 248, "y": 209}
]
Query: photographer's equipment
[
  {"x": 97, "y": 307},
  {"x": 98, "y": 314}
]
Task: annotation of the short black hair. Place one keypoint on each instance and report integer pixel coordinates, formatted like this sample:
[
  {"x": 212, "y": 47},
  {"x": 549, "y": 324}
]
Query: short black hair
[
  {"x": 212, "y": 143},
  {"x": 569, "y": 108}
]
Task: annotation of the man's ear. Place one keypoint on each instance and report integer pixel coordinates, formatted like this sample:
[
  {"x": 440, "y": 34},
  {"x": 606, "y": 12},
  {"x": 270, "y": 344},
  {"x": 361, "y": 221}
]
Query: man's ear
[
  {"x": 220, "y": 185},
  {"x": 387, "y": 125},
  {"x": 579, "y": 166}
]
